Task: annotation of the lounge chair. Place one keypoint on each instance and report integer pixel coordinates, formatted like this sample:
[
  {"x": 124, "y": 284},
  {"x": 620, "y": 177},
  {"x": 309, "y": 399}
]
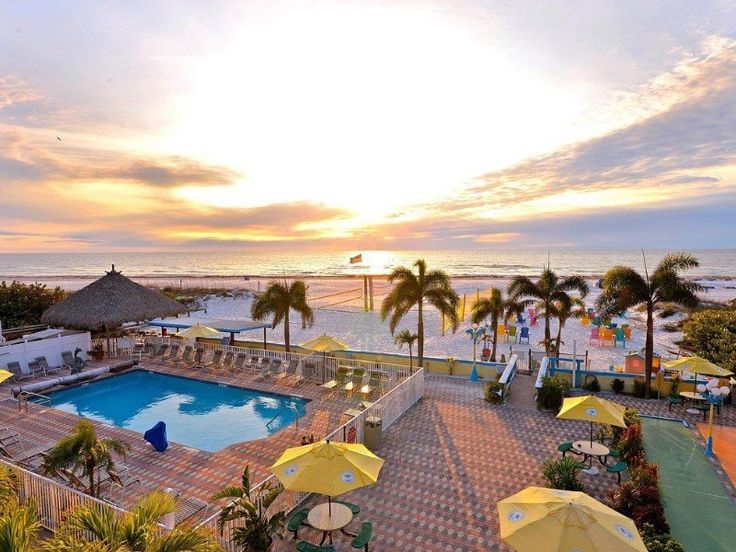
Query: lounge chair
[
  {"x": 29, "y": 457},
  {"x": 362, "y": 539},
  {"x": 266, "y": 368},
  {"x": 186, "y": 357},
  {"x": 43, "y": 363},
  {"x": 198, "y": 354},
  {"x": 287, "y": 372},
  {"x": 188, "y": 507},
  {"x": 17, "y": 371},
  {"x": 34, "y": 367},
  {"x": 375, "y": 383},
  {"x": 524, "y": 334},
  {"x": 216, "y": 359},
  {"x": 341, "y": 377},
  {"x": 173, "y": 355},
  {"x": 67, "y": 358},
  {"x": 160, "y": 351},
  {"x": 227, "y": 362},
  {"x": 239, "y": 362},
  {"x": 618, "y": 335},
  {"x": 125, "y": 478}
]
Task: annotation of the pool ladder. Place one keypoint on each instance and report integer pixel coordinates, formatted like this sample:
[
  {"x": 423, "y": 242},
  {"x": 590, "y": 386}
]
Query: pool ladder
[
  {"x": 23, "y": 397},
  {"x": 277, "y": 415}
]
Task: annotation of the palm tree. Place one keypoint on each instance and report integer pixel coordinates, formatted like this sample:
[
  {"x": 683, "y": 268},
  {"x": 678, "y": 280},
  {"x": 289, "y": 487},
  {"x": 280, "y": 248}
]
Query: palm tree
[
  {"x": 494, "y": 307},
  {"x": 258, "y": 527},
  {"x": 405, "y": 337},
  {"x": 82, "y": 454},
  {"x": 411, "y": 290},
  {"x": 18, "y": 523},
  {"x": 278, "y": 300},
  {"x": 548, "y": 288},
  {"x": 94, "y": 529},
  {"x": 624, "y": 288},
  {"x": 573, "y": 307}
]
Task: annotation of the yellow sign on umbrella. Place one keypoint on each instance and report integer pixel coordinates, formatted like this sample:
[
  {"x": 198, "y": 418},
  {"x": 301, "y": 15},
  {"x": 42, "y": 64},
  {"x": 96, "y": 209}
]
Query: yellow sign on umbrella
[
  {"x": 327, "y": 468},
  {"x": 199, "y": 330},
  {"x": 325, "y": 344},
  {"x": 549, "y": 520},
  {"x": 594, "y": 410},
  {"x": 4, "y": 374}
]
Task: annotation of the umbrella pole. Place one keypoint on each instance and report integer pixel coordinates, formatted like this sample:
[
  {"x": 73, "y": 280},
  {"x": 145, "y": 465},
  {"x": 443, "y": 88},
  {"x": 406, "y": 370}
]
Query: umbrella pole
[
  {"x": 329, "y": 505},
  {"x": 591, "y": 434}
]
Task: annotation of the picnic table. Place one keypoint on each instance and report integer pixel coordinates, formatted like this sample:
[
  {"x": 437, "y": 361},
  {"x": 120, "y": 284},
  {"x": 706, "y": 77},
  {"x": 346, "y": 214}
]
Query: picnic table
[
  {"x": 694, "y": 397},
  {"x": 592, "y": 450},
  {"x": 328, "y": 518}
]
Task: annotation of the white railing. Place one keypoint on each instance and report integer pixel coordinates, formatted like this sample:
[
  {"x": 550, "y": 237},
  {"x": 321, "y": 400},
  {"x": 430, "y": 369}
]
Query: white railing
[
  {"x": 508, "y": 375},
  {"x": 542, "y": 373},
  {"x": 389, "y": 408},
  {"x": 53, "y": 500},
  {"x": 319, "y": 367}
]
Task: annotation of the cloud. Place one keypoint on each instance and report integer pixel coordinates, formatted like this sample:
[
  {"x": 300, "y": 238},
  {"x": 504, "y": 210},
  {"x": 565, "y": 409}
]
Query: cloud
[{"x": 14, "y": 91}]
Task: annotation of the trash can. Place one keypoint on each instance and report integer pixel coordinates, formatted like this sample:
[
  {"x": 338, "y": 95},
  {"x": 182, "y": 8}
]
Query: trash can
[{"x": 372, "y": 432}]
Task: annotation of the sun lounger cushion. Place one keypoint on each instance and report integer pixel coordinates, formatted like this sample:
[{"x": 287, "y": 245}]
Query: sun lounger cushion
[{"x": 157, "y": 437}]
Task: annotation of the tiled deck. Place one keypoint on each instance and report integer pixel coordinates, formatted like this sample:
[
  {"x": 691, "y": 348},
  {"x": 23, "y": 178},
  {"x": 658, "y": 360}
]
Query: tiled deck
[
  {"x": 449, "y": 459},
  {"x": 196, "y": 473}
]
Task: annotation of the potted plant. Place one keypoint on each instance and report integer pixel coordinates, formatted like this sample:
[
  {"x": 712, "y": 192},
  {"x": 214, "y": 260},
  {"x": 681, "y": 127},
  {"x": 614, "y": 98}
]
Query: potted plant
[
  {"x": 97, "y": 352},
  {"x": 258, "y": 528}
]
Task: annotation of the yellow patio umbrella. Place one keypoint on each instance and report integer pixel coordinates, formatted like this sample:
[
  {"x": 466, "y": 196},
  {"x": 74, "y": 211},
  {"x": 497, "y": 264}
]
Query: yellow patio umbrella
[
  {"x": 4, "y": 374},
  {"x": 593, "y": 409},
  {"x": 549, "y": 520},
  {"x": 325, "y": 344},
  {"x": 327, "y": 468},
  {"x": 697, "y": 365},
  {"x": 199, "y": 330}
]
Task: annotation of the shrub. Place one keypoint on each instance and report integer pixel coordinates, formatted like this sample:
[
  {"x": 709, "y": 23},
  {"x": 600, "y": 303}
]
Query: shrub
[
  {"x": 617, "y": 385},
  {"x": 23, "y": 304},
  {"x": 711, "y": 334},
  {"x": 553, "y": 391},
  {"x": 631, "y": 445},
  {"x": 631, "y": 417},
  {"x": 639, "y": 499},
  {"x": 591, "y": 383},
  {"x": 492, "y": 392},
  {"x": 657, "y": 542},
  {"x": 640, "y": 387},
  {"x": 562, "y": 473}
]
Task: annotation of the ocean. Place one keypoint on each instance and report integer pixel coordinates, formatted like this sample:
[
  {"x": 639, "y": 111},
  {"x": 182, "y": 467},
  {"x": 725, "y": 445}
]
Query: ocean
[{"x": 714, "y": 263}]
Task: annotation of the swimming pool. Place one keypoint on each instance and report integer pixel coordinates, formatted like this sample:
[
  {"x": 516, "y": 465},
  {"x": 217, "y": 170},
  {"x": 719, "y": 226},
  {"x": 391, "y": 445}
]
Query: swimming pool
[{"x": 207, "y": 416}]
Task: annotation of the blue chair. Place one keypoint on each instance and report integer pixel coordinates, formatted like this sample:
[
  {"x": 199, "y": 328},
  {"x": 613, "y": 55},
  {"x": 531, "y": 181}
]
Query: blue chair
[
  {"x": 520, "y": 319},
  {"x": 524, "y": 334}
]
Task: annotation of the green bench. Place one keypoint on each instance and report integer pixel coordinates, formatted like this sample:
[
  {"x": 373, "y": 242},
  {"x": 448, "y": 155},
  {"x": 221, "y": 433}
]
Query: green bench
[
  {"x": 354, "y": 508},
  {"x": 618, "y": 469},
  {"x": 362, "y": 539},
  {"x": 304, "y": 546},
  {"x": 564, "y": 448},
  {"x": 296, "y": 521}
]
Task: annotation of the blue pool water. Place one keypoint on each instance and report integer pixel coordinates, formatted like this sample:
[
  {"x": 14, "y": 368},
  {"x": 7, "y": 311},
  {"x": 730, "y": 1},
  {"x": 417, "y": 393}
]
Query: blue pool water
[{"x": 203, "y": 415}]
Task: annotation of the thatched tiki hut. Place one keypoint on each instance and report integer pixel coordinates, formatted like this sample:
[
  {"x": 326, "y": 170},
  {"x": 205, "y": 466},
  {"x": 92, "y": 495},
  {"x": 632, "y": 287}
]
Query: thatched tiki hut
[{"x": 108, "y": 303}]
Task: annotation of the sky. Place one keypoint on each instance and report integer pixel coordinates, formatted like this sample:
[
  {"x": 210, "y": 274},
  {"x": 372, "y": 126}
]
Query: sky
[{"x": 165, "y": 126}]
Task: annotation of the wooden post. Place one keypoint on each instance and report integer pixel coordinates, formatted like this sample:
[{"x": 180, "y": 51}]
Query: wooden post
[
  {"x": 365, "y": 293},
  {"x": 265, "y": 347},
  {"x": 370, "y": 292}
]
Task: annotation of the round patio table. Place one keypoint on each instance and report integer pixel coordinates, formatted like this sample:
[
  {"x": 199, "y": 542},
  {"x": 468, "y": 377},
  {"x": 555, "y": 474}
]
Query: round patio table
[
  {"x": 692, "y": 396},
  {"x": 590, "y": 450},
  {"x": 319, "y": 517}
]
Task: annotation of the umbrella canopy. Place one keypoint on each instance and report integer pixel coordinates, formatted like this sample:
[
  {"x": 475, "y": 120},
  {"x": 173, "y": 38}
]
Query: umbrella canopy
[
  {"x": 4, "y": 374},
  {"x": 593, "y": 409},
  {"x": 199, "y": 330},
  {"x": 327, "y": 468},
  {"x": 541, "y": 520},
  {"x": 324, "y": 344},
  {"x": 108, "y": 303},
  {"x": 697, "y": 365}
]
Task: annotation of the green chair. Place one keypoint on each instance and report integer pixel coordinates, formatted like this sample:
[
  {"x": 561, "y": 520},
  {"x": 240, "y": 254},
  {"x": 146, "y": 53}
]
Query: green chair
[
  {"x": 362, "y": 539},
  {"x": 564, "y": 448},
  {"x": 354, "y": 508},
  {"x": 673, "y": 399},
  {"x": 296, "y": 521},
  {"x": 511, "y": 333},
  {"x": 304, "y": 546},
  {"x": 618, "y": 469}
]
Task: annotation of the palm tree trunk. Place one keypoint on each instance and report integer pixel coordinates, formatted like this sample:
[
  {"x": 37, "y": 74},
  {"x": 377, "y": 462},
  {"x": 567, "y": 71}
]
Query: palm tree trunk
[
  {"x": 494, "y": 321},
  {"x": 91, "y": 470},
  {"x": 286, "y": 331},
  {"x": 649, "y": 350},
  {"x": 420, "y": 333},
  {"x": 547, "y": 333},
  {"x": 559, "y": 337}
]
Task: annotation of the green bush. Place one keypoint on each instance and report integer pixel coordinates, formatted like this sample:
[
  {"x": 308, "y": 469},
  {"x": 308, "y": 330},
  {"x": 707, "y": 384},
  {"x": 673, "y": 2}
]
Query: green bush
[
  {"x": 492, "y": 392},
  {"x": 617, "y": 385},
  {"x": 640, "y": 387},
  {"x": 591, "y": 383},
  {"x": 711, "y": 334},
  {"x": 657, "y": 542},
  {"x": 553, "y": 391},
  {"x": 562, "y": 473},
  {"x": 23, "y": 304},
  {"x": 631, "y": 417}
]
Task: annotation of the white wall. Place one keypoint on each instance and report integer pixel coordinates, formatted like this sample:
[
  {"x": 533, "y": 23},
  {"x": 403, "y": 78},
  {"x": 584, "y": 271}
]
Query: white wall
[{"x": 51, "y": 348}]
